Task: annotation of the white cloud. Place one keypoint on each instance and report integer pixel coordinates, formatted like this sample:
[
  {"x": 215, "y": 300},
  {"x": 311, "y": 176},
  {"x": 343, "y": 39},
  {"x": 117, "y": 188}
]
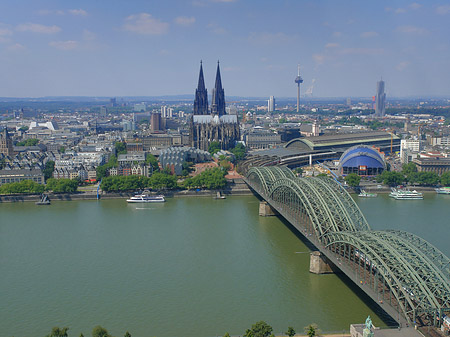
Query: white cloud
[
  {"x": 80, "y": 12},
  {"x": 367, "y": 35},
  {"x": 50, "y": 12},
  {"x": 318, "y": 58},
  {"x": 38, "y": 28},
  {"x": 337, "y": 34},
  {"x": 184, "y": 20},
  {"x": 400, "y": 11},
  {"x": 5, "y": 32},
  {"x": 144, "y": 23},
  {"x": 332, "y": 45},
  {"x": 271, "y": 38},
  {"x": 402, "y": 65},
  {"x": 64, "y": 45},
  {"x": 16, "y": 47},
  {"x": 88, "y": 35},
  {"x": 442, "y": 10},
  {"x": 216, "y": 29},
  {"x": 411, "y": 30},
  {"x": 415, "y": 5},
  {"x": 361, "y": 51}
]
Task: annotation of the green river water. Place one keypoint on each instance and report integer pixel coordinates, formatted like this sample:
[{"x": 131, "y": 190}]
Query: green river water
[{"x": 190, "y": 267}]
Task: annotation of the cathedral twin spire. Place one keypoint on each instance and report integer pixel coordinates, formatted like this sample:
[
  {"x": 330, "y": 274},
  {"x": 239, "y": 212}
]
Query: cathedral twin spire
[{"x": 201, "y": 96}]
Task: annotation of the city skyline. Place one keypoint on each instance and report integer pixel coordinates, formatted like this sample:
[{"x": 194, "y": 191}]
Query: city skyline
[{"x": 54, "y": 48}]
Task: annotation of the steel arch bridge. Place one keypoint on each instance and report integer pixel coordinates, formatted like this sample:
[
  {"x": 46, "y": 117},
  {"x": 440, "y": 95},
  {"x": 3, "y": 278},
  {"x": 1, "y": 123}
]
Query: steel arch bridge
[{"x": 406, "y": 275}]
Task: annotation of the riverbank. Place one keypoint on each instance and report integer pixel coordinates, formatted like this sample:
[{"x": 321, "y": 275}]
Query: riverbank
[{"x": 238, "y": 187}]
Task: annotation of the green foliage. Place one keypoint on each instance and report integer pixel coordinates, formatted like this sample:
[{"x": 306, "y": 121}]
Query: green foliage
[
  {"x": 445, "y": 179},
  {"x": 391, "y": 178},
  {"x": 298, "y": 170},
  {"x": 127, "y": 334},
  {"x": 98, "y": 331},
  {"x": 62, "y": 149},
  {"x": 311, "y": 330},
  {"x": 238, "y": 151},
  {"x": 353, "y": 180},
  {"x": 282, "y": 120},
  {"x": 24, "y": 186},
  {"x": 225, "y": 164},
  {"x": 226, "y": 335},
  {"x": 121, "y": 148},
  {"x": 187, "y": 168},
  {"x": 423, "y": 178},
  {"x": 57, "y": 332},
  {"x": 62, "y": 185},
  {"x": 290, "y": 332},
  {"x": 214, "y": 147},
  {"x": 322, "y": 175},
  {"x": 102, "y": 170},
  {"x": 2, "y": 163},
  {"x": 210, "y": 179},
  {"x": 157, "y": 181},
  {"x": 48, "y": 170},
  {"x": 28, "y": 142},
  {"x": 259, "y": 329},
  {"x": 23, "y": 128},
  {"x": 152, "y": 161},
  {"x": 409, "y": 168}
]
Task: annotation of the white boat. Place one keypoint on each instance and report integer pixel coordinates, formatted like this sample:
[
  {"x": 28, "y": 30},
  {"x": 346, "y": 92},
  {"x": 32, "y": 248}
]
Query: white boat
[
  {"x": 219, "y": 196},
  {"x": 400, "y": 194},
  {"x": 146, "y": 197},
  {"x": 365, "y": 194},
  {"x": 443, "y": 190}
]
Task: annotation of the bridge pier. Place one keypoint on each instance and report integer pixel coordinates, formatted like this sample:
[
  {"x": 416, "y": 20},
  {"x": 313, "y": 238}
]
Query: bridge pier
[
  {"x": 319, "y": 264},
  {"x": 265, "y": 209}
]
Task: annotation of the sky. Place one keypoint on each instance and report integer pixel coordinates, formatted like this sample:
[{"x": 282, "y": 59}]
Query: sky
[{"x": 152, "y": 48}]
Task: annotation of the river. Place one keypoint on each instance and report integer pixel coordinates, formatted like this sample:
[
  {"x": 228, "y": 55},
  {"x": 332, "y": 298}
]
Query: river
[{"x": 191, "y": 267}]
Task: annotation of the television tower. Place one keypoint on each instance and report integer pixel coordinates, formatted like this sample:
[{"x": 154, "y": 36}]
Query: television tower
[{"x": 298, "y": 80}]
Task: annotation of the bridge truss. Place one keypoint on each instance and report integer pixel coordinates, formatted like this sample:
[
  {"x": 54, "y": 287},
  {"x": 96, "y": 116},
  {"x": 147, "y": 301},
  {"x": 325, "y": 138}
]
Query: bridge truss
[{"x": 406, "y": 275}]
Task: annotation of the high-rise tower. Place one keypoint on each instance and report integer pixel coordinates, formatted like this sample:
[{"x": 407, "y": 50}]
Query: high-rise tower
[
  {"x": 218, "y": 96},
  {"x": 201, "y": 95},
  {"x": 380, "y": 100},
  {"x": 298, "y": 80}
]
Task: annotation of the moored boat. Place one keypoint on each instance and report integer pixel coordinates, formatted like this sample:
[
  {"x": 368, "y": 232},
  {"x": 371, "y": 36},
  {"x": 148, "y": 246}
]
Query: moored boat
[
  {"x": 146, "y": 197},
  {"x": 399, "y": 194},
  {"x": 443, "y": 190},
  {"x": 44, "y": 200},
  {"x": 365, "y": 194}
]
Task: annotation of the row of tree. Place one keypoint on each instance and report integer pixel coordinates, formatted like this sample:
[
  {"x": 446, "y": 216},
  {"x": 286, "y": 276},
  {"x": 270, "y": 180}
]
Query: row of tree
[
  {"x": 259, "y": 329},
  {"x": 262, "y": 329},
  {"x": 32, "y": 187},
  {"x": 211, "y": 179},
  {"x": 157, "y": 181}
]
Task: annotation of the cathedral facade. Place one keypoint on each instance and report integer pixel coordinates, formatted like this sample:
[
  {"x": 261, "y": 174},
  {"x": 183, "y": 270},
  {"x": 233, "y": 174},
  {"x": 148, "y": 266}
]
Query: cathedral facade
[{"x": 209, "y": 124}]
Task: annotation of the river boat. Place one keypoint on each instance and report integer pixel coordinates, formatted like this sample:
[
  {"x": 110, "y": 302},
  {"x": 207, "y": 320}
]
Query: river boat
[
  {"x": 443, "y": 190},
  {"x": 44, "y": 200},
  {"x": 365, "y": 194},
  {"x": 146, "y": 197},
  {"x": 219, "y": 196},
  {"x": 399, "y": 194}
]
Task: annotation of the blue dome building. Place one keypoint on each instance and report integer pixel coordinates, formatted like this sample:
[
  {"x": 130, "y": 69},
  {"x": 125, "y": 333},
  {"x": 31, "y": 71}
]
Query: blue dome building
[{"x": 362, "y": 160}]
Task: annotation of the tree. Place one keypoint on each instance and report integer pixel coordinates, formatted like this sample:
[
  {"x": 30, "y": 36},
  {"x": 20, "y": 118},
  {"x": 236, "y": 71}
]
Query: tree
[
  {"x": 259, "y": 329},
  {"x": 214, "y": 147},
  {"x": 62, "y": 149},
  {"x": 62, "y": 185},
  {"x": 238, "y": 151},
  {"x": 298, "y": 171},
  {"x": 311, "y": 330},
  {"x": 392, "y": 178},
  {"x": 98, "y": 331},
  {"x": 226, "y": 335},
  {"x": 445, "y": 179},
  {"x": 48, "y": 170},
  {"x": 121, "y": 147},
  {"x": 28, "y": 142},
  {"x": 127, "y": 334},
  {"x": 57, "y": 332},
  {"x": 152, "y": 161},
  {"x": 409, "y": 168},
  {"x": 290, "y": 332},
  {"x": 353, "y": 180}
]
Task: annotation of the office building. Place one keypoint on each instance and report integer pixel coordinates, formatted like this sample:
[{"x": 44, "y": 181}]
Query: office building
[
  {"x": 380, "y": 100},
  {"x": 271, "y": 104}
]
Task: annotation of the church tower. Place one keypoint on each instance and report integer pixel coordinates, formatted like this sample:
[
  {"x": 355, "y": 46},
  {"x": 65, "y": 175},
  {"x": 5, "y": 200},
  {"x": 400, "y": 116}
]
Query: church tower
[
  {"x": 201, "y": 95},
  {"x": 6, "y": 144},
  {"x": 218, "y": 96}
]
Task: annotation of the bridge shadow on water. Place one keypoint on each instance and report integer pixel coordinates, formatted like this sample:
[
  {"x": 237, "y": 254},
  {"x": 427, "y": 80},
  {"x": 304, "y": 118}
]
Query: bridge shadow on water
[{"x": 383, "y": 315}]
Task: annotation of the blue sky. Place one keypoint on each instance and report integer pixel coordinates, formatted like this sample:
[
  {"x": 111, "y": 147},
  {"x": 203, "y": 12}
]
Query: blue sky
[{"x": 150, "y": 48}]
